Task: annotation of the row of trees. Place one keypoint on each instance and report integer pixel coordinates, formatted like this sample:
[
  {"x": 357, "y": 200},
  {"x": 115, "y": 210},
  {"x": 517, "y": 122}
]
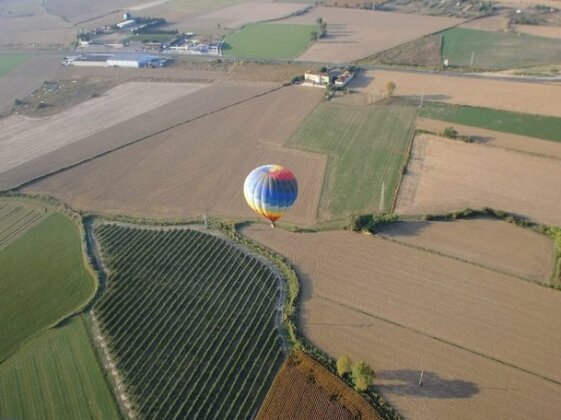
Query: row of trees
[
  {"x": 360, "y": 372},
  {"x": 315, "y": 35}
]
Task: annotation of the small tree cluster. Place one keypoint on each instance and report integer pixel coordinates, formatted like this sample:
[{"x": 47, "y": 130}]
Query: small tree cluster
[
  {"x": 449, "y": 132},
  {"x": 390, "y": 88},
  {"x": 361, "y": 373}
]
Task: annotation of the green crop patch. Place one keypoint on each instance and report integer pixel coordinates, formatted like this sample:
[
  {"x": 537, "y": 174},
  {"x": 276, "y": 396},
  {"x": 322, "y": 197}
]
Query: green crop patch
[
  {"x": 497, "y": 50},
  {"x": 42, "y": 279},
  {"x": 10, "y": 62},
  {"x": 539, "y": 126},
  {"x": 191, "y": 320},
  {"x": 269, "y": 40},
  {"x": 56, "y": 376},
  {"x": 366, "y": 148}
]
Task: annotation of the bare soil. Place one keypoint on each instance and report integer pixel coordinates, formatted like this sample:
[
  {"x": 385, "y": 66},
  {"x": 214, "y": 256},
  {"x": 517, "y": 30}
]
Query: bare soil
[
  {"x": 35, "y": 31},
  {"x": 490, "y": 23},
  {"x": 422, "y": 52},
  {"x": 200, "y": 166},
  {"x": 445, "y": 175},
  {"x": 354, "y": 34},
  {"x": 538, "y": 30},
  {"x": 495, "y": 138},
  {"x": 541, "y": 99},
  {"x": 492, "y": 243},
  {"x": 487, "y": 342}
]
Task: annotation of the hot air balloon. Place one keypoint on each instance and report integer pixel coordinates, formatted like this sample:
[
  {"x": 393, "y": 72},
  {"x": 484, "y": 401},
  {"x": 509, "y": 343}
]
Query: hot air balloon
[{"x": 270, "y": 190}]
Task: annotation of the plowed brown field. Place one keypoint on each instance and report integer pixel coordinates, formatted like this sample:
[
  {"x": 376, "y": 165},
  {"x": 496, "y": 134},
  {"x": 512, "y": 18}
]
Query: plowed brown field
[
  {"x": 487, "y": 342},
  {"x": 200, "y": 166},
  {"x": 304, "y": 389},
  {"x": 495, "y": 138},
  {"x": 547, "y": 31},
  {"x": 354, "y": 34},
  {"x": 541, "y": 99},
  {"x": 495, "y": 244},
  {"x": 445, "y": 175}
]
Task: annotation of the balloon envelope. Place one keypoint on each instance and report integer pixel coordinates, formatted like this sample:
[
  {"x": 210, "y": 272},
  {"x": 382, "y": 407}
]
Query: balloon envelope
[{"x": 270, "y": 190}]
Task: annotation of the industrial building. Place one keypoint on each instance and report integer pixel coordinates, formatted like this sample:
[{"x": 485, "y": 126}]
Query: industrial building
[{"x": 115, "y": 60}]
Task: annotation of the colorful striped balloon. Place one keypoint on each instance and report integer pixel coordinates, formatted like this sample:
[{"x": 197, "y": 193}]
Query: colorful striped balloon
[{"x": 270, "y": 191}]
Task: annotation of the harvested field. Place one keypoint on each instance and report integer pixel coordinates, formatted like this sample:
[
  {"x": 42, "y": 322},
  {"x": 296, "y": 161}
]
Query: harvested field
[
  {"x": 17, "y": 216},
  {"x": 539, "y": 99},
  {"x": 495, "y": 244},
  {"x": 354, "y": 34},
  {"x": 446, "y": 175},
  {"x": 495, "y": 138},
  {"x": 200, "y": 166},
  {"x": 545, "y": 31},
  {"x": 486, "y": 341},
  {"x": 250, "y": 12},
  {"x": 35, "y": 31},
  {"x": 423, "y": 52},
  {"x": 489, "y": 23},
  {"x": 28, "y": 77},
  {"x": 304, "y": 389},
  {"x": 78, "y": 11},
  {"x": 129, "y": 112}
]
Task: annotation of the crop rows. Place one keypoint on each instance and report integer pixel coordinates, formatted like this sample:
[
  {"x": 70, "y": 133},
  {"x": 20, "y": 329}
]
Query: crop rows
[
  {"x": 15, "y": 220},
  {"x": 190, "y": 319}
]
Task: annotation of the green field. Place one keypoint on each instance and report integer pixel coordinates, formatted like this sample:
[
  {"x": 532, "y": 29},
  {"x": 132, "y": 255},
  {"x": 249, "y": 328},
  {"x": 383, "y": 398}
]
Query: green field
[
  {"x": 547, "y": 128},
  {"x": 10, "y": 62},
  {"x": 42, "y": 279},
  {"x": 190, "y": 320},
  {"x": 366, "y": 148},
  {"x": 497, "y": 50},
  {"x": 56, "y": 376},
  {"x": 18, "y": 217},
  {"x": 269, "y": 41}
]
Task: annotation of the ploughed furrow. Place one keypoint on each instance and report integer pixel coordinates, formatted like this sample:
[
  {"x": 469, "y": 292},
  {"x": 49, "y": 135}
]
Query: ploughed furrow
[{"x": 190, "y": 321}]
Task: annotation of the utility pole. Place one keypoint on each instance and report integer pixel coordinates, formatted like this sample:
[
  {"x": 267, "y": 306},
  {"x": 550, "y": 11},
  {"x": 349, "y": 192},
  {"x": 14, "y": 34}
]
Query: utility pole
[
  {"x": 422, "y": 98},
  {"x": 421, "y": 378},
  {"x": 472, "y": 57}
]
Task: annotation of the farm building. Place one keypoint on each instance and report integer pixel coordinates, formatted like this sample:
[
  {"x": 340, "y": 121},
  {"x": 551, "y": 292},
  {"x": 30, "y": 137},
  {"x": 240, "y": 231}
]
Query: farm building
[
  {"x": 317, "y": 78},
  {"x": 115, "y": 60},
  {"x": 130, "y": 60},
  {"x": 126, "y": 24},
  {"x": 89, "y": 60}
]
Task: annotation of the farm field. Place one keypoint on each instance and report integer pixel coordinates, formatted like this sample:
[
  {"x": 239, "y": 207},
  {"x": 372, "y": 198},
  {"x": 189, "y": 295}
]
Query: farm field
[
  {"x": 446, "y": 175},
  {"x": 496, "y": 50},
  {"x": 422, "y": 52},
  {"x": 268, "y": 40},
  {"x": 44, "y": 270},
  {"x": 29, "y": 76},
  {"x": 170, "y": 287},
  {"x": 376, "y": 140},
  {"x": 17, "y": 217},
  {"x": 531, "y": 98},
  {"x": 495, "y": 244},
  {"x": 354, "y": 34},
  {"x": 543, "y": 127},
  {"x": 79, "y": 11},
  {"x": 545, "y": 31},
  {"x": 56, "y": 375},
  {"x": 122, "y": 124},
  {"x": 198, "y": 167},
  {"x": 304, "y": 389},
  {"x": 495, "y": 138},
  {"x": 10, "y": 62},
  {"x": 35, "y": 31},
  {"x": 491, "y": 23},
  {"x": 420, "y": 311},
  {"x": 241, "y": 14}
]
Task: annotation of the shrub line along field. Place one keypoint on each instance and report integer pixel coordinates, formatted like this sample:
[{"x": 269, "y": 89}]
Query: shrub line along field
[
  {"x": 421, "y": 311},
  {"x": 170, "y": 287},
  {"x": 54, "y": 281},
  {"x": 445, "y": 175}
]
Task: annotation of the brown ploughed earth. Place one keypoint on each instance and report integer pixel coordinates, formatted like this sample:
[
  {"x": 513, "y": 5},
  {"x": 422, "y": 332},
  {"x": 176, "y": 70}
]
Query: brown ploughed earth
[
  {"x": 446, "y": 175},
  {"x": 490, "y": 23},
  {"x": 532, "y": 98},
  {"x": 495, "y": 244},
  {"x": 35, "y": 31},
  {"x": 495, "y": 138},
  {"x": 354, "y": 34},
  {"x": 538, "y": 30},
  {"x": 487, "y": 342},
  {"x": 198, "y": 167}
]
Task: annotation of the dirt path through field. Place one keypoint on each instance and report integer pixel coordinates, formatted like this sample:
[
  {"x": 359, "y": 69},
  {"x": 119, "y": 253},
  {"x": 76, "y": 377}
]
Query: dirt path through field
[{"x": 484, "y": 339}]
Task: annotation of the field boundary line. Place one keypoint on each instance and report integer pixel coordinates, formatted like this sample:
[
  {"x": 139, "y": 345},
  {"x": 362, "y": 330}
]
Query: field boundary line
[
  {"x": 440, "y": 339},
  {"x": 404, "y": 165},
  {"x": 138, "y": 140}
]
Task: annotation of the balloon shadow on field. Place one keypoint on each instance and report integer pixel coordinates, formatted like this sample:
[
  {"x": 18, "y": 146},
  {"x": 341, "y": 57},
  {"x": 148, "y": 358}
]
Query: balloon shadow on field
[{"x": 406, "y": 382}]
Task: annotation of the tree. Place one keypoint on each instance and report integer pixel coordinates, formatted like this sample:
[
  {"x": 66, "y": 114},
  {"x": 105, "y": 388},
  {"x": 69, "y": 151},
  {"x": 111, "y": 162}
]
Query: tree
[
  {"x": 344, "y": 365},
  {"x": 319, "y": 20},
  {"x": 449, "y": 132},
  {"x": 314, "y": 36},
  {"x": 363, "y": 376},
  {"x": 390, "y": 88}
]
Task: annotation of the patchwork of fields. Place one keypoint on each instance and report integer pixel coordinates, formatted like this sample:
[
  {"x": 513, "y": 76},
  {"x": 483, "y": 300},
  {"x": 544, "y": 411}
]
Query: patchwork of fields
[
  {"x": 192, "y": 321},
  {"x": 17, "y": 217},
  {"x": 366, "y": 149},
  {"x": 446, "y": 175},
  {"x": 404, "y": 310}
]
